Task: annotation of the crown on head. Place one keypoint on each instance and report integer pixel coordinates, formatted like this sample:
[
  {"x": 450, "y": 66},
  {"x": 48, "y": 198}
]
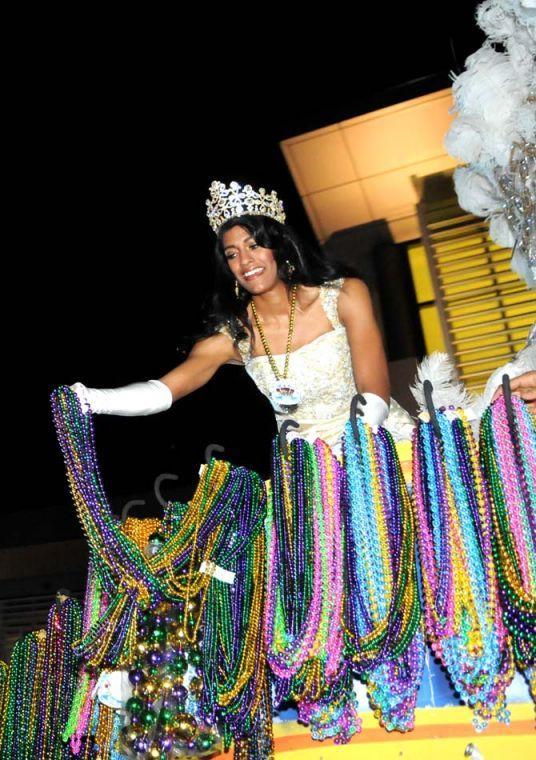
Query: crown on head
[{"x": 226, "y": 202}]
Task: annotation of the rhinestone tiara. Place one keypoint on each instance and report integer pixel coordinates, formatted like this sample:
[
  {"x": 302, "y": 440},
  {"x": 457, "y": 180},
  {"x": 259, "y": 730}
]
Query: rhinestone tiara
[{"x": 226, "y": 202}]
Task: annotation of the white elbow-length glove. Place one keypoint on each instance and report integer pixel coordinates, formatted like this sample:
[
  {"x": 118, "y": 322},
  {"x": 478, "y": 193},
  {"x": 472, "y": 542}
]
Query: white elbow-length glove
[
  {"x": 132, "y": 400},
  {"x": 375, "y": 411}
]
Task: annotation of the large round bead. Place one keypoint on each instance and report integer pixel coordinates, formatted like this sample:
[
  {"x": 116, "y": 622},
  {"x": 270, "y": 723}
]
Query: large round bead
[
  {"x": 154, "y": 657},
  {"x": 180, "y": 692},
  {"x": 141, "y": 744},
  {"x": 165, "y": 743},
  {"x": 136, "y": 676},
  {"x": 204, "y": 741},
  {"x": 165, "y": 716},
  {"x": 195, "y": 657},
  {"x": 149, "y": 688},
  {"x": 158, "y": 634},
  {"x": 167, "y": 682},
  {"x": 179, "y": 666},
  {"x": 184, "y": 727},
  {"x": 171, "y": 652},
  {"x": 129, "y": 734},
  {"x": 196, "y": 686},
  {"x": 148, "y": 718},
  {"x": 134, "y": 705}
]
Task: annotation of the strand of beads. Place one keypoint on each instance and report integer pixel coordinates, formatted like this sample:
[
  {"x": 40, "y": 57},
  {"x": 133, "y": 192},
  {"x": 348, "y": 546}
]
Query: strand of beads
[
  {"x": 495, "y": 651},
  {"x": 59, "y": 678},
  {"x": 215, "y": 525},
  {"x": 4, "y": 672},
  {"x": 233, "y": 645},
  {"x": 304, "y": 597},
  {"x": 383, "y": 615},
  {"x": 23, "y": 689},
  {"x": 120, "y": 563},
  {"x": 459, "y": 585},
  {"x": 334, "y": 714},
  {"x": 8, "y": 728},
  {"x": 132, "y": 579},
  {"x": 180, "y": 722},
  {"x": 259, "y": 745},
  {"x": 508, "y": 456},
  {"x": 95, "y": 604}
]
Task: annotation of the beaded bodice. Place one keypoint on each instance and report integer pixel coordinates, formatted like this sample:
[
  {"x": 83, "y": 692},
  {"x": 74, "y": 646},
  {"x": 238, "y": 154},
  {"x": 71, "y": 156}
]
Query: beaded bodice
[{"x": 323, "y": 371}]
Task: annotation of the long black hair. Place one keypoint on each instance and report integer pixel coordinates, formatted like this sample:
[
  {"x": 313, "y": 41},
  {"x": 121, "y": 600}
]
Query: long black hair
[{"x": 311, "y": 267}]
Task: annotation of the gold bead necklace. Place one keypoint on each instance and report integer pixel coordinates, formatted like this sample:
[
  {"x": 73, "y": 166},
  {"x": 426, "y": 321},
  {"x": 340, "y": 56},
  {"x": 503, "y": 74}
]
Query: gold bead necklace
[
  {"x": 290, "y": 332},
  {"x": 284, "y": 394}
]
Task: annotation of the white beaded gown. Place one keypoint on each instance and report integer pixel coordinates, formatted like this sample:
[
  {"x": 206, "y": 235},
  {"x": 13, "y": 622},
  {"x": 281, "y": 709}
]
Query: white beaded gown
[{"x": 323, "y": 371}]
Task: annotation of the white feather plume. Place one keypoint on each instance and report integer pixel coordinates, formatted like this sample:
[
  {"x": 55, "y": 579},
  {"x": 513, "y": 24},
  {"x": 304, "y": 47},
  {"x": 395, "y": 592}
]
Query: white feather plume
[
  {"x": 521, "y": 52},
  {"x": 525, "y": 13},
  {"x": 521, "y": 266},
  {"x": 489, "y": 88},
  {"x": 501, "y": 232},
  {"x": 464, "y": 140},
  {"x": 438, "y": 368},
  {"x": 495, "y": 113},
  {"x": 496, "y": 19},
  {"x": 475, "y": 191}
]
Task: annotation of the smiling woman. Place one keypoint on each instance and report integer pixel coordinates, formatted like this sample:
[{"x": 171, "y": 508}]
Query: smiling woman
[{"x": 304, "y": 331}]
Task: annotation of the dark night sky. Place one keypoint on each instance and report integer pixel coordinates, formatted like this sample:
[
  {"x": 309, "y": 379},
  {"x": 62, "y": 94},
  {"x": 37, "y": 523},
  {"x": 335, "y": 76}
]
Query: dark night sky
[{"x": 115, "y": 144}]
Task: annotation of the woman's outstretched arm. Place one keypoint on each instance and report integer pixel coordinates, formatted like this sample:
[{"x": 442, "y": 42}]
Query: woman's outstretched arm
[
  {"x": 206, "y": 356},
  {"x": 153, "y": 396}
]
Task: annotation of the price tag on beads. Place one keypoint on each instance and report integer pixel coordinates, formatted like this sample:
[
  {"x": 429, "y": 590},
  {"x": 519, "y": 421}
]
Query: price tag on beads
[{"x": 211, "y": 568}]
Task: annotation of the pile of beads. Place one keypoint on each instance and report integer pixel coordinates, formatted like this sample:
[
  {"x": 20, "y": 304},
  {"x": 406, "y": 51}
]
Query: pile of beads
[
  {"x": 236, "y": 681},
  {"x": 3, "y": 682},
  {"x": 40, "y": 687},
  {"x": 334, "y": 714},
  {"x": 82, "y": 713},
  {"x": 164, "y": 710},
  {"x": 383, "y": 614},
  {"x": 22, "y": 692},
  {"x": 304, "y": 596},
  {"x": 508, "y": 456},
  {"x": 461, "y": 611},
  {"x": 223, "y": 496},
  {"x": 221, "y": 525},
  {"x": 60, "y": 669}
]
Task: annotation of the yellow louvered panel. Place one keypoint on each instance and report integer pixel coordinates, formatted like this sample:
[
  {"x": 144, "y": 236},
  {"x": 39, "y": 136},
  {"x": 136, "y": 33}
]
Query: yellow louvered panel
[{"x": 466, "y": 287}]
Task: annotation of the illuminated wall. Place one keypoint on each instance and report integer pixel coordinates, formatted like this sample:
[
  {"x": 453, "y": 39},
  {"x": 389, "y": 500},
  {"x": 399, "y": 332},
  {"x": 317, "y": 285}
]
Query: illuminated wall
[{"x": 361, "y": 169}]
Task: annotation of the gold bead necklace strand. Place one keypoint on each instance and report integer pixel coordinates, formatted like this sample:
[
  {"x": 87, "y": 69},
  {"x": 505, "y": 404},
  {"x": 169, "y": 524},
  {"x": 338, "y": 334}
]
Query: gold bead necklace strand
[{"x": 290, "y": 333}]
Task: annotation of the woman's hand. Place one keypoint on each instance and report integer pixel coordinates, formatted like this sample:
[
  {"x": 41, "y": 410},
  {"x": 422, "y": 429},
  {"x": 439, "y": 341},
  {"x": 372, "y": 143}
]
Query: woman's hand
[
  {"x": 132, "y": 400},
  {"x": 523, "y": 386},
  {"x": 83, "y": 396}
]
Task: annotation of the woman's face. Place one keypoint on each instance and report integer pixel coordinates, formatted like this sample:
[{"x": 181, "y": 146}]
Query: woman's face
[{"x": 245, "y": 257}]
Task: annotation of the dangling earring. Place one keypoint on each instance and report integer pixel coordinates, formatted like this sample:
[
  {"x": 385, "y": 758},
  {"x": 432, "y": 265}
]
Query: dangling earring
[
  {"x": 290, "y": 267},
  {"x": 236, "y": 289}
]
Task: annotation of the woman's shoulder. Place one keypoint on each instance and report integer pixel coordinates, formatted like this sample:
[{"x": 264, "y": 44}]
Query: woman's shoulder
[
  {"x": 346, "y": 284},
  {"x": 240, "y": 344},
  {"x": 341, "y": 291}
]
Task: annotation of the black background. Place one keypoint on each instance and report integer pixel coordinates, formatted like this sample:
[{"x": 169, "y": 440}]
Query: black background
[{"x": 117, "y": 127}]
